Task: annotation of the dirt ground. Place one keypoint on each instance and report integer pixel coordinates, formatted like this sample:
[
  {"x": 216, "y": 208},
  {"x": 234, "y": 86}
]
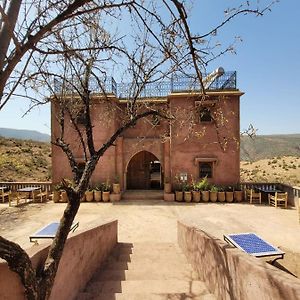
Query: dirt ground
[{"x": 141, "y": 221}]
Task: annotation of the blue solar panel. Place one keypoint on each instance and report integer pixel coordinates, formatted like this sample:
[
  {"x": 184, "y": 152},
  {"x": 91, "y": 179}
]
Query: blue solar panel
[
  {"x": 251, "y": 243},
  {"x": 49, "y": 229}
]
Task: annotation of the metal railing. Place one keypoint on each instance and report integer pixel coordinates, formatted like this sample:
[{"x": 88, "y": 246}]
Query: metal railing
[{"x": 177, "y": 83}]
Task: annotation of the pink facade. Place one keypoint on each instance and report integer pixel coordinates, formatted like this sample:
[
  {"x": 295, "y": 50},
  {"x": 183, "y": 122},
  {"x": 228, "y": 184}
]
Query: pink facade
[{"x": 173, "y": 148}]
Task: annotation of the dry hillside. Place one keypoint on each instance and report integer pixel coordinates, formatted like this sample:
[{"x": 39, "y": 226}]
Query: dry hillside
[
  {"x": 284, "y": 169},
  {"x": 24, "y": 160}
]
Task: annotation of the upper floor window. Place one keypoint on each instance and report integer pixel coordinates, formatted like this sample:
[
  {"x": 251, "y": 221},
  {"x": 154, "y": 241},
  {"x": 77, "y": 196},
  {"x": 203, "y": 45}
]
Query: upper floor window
[
  {"x": 205, "y": 169},
  {"x": 205, "y": 115}
]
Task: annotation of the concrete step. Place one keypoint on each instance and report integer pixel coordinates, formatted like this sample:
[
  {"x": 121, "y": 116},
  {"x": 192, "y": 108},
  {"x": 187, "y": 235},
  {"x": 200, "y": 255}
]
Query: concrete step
[
  {"x": 143, "y": 195},
  {"x": 148, "y": 257},
  {"x": 150, "y": 266},
  {"x": 145, "y": 296},
  {"x": 148, "y": 286},
  {"x": 141, "y": 246},
  {"x": 141, "y": 274}
]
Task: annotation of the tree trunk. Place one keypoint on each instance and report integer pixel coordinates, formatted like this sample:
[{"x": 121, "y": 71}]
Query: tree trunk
[
  {"x": 8, "y": 28},
  {"x": 46, "y": 279}
]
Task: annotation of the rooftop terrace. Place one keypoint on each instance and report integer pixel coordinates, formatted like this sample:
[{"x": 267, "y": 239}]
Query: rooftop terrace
[{"x": 176, "y": 84}]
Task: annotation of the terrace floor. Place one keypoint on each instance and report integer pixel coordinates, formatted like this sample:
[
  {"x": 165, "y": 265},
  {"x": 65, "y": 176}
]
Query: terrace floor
[{"x": 156, "y": 221}]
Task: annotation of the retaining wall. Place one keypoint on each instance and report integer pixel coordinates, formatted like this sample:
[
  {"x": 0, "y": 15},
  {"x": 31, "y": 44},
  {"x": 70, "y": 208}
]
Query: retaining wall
[
  {"x": 84, "y": 252},
  {"x": 232, "y": 274}
]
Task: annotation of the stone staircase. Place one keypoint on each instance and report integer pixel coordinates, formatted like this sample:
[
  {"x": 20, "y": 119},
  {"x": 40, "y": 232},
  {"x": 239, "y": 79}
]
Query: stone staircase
[
  {"x": 145, "y": 271},
  {"x": 143, "y": 195}
]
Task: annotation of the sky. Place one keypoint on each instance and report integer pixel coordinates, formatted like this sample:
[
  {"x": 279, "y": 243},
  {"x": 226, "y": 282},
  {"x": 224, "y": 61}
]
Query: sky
[{"x": 267, "y": 64}]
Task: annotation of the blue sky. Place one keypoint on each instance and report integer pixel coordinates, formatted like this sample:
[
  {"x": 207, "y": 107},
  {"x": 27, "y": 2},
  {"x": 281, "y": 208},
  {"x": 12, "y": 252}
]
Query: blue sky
[{"x": 267, "y": 65}]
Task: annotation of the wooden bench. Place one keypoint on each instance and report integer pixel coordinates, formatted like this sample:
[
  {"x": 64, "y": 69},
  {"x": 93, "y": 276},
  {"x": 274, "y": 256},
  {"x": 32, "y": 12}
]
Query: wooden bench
[
  {"x": 5, "y": 195},
  {"x": 39, "y": 194}
]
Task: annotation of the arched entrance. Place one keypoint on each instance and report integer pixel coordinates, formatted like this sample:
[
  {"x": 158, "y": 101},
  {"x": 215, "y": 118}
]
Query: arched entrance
[{"x": 144, "y": 172}]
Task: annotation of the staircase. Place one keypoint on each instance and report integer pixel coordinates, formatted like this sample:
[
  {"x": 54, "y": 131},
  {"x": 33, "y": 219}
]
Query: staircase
[
  {"x": 145, "y": 271},
  {"x": 143, "y": 195}
]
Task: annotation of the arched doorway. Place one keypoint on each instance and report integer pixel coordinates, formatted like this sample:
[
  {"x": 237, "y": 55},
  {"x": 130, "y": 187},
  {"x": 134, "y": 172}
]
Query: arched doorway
[{"x": 144, "y": 172}]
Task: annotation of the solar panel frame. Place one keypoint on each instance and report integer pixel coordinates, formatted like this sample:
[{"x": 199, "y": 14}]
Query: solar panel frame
[
  {"x": 276, "y": 252},
  {"x": 39, "y": 234}
]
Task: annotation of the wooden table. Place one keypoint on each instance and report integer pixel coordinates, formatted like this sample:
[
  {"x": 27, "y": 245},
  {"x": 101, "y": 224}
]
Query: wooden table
[
  {"x": 29, "y": 190},
  {"x": 265, "y": 192}
]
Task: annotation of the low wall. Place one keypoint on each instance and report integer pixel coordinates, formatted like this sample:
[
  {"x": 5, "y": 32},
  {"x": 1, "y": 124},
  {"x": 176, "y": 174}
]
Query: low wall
[
  {"x": 84, "y": 252},
  {"x": 231, "y": 274}
]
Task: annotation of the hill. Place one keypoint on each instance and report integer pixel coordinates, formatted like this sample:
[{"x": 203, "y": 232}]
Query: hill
[
  {"x": 24, "y": 134},
  {"x": 269, "y": 146},
  {"x": 24, "y": 160}
]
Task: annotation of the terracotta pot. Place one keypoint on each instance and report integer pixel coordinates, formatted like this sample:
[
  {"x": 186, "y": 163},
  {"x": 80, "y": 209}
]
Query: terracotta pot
[
  {"x": 105, "y": 196},
  {"x": 179, "y": 196},
  {"x": 82, "y": 198},
  {"x": 187, "y": 196},
  {"x": 56, "y": 196},
  {"x": 213, "y": 196},
  {"x": 167, "y": 188},
  {"x": 196, "y": 196},
  {"x": 205, "y": 196},
  {"x": 97, "y": 196},
  {"x": 238, "y": 196},
  {"x": 89, "y": 196},
  {"x": 221, "y": 196},
  {"x": 115, "y": 197},
  {"x": 229, "y": 196},
  {"x": 116, "y": 188},
  {"x": 64, "y": 197}
]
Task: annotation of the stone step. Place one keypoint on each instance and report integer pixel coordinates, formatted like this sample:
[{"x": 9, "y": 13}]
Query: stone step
[
  {"x": 148, "y": 286},
  {"x": 146, "y": 296},
  {"x": 141, "y": 246},
  {"x": 141, "y": 274},
  {"x": 147, "y": 265},
  {"x": 148, "y": 257},
  {"x": 143, "y": 195}
]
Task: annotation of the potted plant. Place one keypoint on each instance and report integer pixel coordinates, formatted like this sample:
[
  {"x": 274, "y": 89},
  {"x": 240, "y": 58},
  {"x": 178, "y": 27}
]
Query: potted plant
[
  {"x": 178, "y": 189},
  {"x": 89, "y": 195},
  {"x": 204, "y": 188},
  {"x": 116, "y": 185},
  {"x": 238, "y": 194},
  {"x": 97, "y": 193},
  {"x": 213, "y": 194},
  {"x": 229, "y": 194},
  {"x": 187, "y": 192},
  {"x": 196, "y": 191},
  {"x": 221, "y": 195},
  {"x": 167, "y": 186},
  {"x": 56, "y": 193},
  {"x": 105, "y": 191}
]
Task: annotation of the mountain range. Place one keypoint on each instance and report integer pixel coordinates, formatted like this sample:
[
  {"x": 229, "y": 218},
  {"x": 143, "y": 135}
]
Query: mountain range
[{"x": 23, "y": 134}]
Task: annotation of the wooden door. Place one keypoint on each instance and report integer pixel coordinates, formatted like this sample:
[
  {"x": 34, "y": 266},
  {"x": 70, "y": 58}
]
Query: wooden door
[{"x": 138, "y": 172}]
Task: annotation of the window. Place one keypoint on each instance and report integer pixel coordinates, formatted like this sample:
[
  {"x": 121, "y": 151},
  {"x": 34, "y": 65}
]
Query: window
[
  {"x": 81, "y": 167},
  {"x": 205, "y": 115},
  {"x": 80, "y": 118},
  {"x": 205, "y": 169},
  {"x": 155, "y": 120}
]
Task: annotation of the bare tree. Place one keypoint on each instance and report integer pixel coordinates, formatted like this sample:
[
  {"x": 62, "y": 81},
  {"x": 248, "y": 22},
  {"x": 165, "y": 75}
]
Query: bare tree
[{"x": 78, "y": 44}]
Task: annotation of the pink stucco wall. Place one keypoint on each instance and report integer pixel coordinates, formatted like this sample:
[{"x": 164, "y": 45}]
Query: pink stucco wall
[
  {"x": 84, "y": 252},
  {"x": 232, "y": 274},
  {"x": 187, "y": 139}
]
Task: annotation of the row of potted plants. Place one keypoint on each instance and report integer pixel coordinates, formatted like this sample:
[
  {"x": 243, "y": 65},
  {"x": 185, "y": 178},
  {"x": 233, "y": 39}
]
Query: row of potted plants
[
  {"x": 203, "y": 191},
  {"x": 100, "y": 192}
]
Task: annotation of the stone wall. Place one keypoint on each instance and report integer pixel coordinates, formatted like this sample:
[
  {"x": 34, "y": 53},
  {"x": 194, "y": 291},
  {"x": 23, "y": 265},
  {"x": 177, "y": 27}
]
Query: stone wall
[
  {"x": 232, "y": 274},
  {"x": 84, "y": 252}
]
